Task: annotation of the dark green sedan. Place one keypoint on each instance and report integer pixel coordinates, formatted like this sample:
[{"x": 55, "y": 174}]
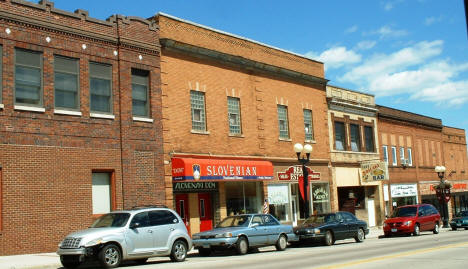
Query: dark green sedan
[{"x": 460, "y": 221}]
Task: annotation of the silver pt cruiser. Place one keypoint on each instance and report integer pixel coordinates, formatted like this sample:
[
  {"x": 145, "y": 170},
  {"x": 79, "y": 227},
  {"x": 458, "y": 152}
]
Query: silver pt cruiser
[{"x": 136, "y": 234}]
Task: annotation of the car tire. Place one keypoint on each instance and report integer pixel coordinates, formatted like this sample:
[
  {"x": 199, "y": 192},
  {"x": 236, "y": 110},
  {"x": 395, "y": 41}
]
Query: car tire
[
  {"x": 454, "y": 228},
  {"x": 436, "y": 228},
  {"x": 328, "y": 240},
  {"x": 204, "y": 252},
  {"x": 110, "y": 256},
  {"x": 242, "y": 246},
  {"x": 360, "y": 236},
  {"x": 178, "y": 251},
  {"x": 417, "y": 230},
  {"x": 281, "y": 243},
  {"x": 70, "y": 261}
]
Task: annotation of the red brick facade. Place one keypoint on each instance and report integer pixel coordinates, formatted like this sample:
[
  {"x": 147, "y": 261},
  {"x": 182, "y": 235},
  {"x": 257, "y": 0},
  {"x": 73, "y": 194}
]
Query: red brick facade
[{"x": 46, "y": 158}]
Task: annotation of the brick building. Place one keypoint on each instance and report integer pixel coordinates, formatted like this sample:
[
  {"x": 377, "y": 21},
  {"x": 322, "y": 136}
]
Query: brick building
[
  {"x": 80, "y": 121},
  {"x": 235, "y": 104},
  {"x": 413, "y": 145}
]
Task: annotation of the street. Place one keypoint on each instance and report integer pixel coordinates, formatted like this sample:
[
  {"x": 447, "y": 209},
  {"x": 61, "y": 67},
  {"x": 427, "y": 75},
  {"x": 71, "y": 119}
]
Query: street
[{"x": 445, "y": 250}]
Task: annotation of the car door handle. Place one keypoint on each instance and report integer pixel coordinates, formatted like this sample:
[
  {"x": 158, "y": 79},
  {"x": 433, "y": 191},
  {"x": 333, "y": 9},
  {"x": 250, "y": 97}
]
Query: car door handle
[
  {"x": 150, "y": 231},
  {"x": 171, "y": 229}
]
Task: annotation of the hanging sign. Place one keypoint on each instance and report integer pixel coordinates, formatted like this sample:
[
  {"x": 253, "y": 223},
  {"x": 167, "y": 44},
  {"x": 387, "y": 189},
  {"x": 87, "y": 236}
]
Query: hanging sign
[
  {"x": 294, "y": 173},
  {"x": 374, "y": 171}
]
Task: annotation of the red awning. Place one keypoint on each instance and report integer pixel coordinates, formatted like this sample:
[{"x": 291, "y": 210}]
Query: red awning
[{"x": 220, "y": 170}]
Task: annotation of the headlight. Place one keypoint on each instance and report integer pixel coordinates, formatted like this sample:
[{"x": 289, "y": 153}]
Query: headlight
[
  {"x": 195, "y": 236},
  {"x": 223, "y": 235},
  {"x": 316, "y": 231},
  {"x": 385, "y": 224},
  {"x": 93, "y": 242},
  {"x": 60, "y": 244},
  {"x": 407, "y": 223}
]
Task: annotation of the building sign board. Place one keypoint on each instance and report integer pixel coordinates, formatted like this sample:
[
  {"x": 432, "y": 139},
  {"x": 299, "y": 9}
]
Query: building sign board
[
  {"x": 195, "y": 186},
  {"x": 294, "y": 173},
  {"x": 403, "y": 190},
  {"x": 374, "y": 171}
]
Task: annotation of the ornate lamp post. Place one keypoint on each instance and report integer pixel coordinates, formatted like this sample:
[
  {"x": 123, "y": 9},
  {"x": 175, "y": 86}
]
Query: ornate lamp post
[
  {"x": 307, "y": 149},
  {"x": 443, "y": 194}
]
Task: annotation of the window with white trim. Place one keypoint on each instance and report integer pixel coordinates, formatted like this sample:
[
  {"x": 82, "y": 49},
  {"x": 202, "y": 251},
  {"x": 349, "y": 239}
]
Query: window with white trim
[
  {"x": 308, "y": 125},
  {"x": 410, "y": 156},
  {"x": 28, "y": 77},
  {"x": 283, "y": 122},
  {"x": 394, "y": 156},
  {"x": 385, "y": 153},
  {"x": 234, "y": 118},
  {"x": 66, "y": 82},
  {"x": 140, "y": 93},
  {"x": 100, "y": 89},
  {"x": 197, "y": 102},
  {"x": 402, "y": 154},
  {"x": 101, "y": 192}
]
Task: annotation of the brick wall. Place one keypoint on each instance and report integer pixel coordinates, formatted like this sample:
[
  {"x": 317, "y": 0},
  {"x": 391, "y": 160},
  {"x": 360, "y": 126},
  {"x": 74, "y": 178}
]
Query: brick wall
[{"x": 47, "y": 158}]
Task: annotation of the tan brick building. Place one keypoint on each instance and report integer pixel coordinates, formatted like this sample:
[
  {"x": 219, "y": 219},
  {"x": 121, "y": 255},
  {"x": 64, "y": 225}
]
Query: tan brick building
[
  {"x": 74, "y": 143},
  {"x": 235, "y": 103}
]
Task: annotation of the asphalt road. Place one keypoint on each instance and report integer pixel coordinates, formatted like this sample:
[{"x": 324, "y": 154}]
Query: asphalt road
[{"x": 444, "y": 250}]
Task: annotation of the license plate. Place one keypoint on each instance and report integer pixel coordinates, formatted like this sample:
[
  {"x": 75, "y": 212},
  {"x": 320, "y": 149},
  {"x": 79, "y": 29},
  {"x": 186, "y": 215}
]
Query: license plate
[
  {"x": 458, "y": 224},
  {"x": 394, "y": 230},
  {"x": 206, "y": 246}
]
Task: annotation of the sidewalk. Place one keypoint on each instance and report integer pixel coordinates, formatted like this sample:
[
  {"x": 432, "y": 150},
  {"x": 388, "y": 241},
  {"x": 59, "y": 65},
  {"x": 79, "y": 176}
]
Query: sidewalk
[{"x": 52, "y": 260}]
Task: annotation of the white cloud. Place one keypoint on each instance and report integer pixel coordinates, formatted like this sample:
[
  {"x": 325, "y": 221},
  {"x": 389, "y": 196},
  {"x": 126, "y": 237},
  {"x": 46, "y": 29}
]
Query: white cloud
[
  {"x": 389, "y": 5},
  {"x": 451, "y": 93},
  {"x": 431, "y": 20},
  {"x": 386, "y": 32},
  {"x": 336, "y": 57},
  {"x": 351, "y": 29},
  {"x": 365, "y": 45}
]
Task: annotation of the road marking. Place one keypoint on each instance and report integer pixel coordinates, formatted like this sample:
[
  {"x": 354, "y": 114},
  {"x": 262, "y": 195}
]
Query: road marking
[{"x": 403, "y": 254}]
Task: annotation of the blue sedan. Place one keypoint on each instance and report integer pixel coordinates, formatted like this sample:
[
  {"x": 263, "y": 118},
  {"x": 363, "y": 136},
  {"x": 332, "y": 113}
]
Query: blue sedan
[
  {"x": 460, "y": 221},
  {"x": 242, "y": 232}
]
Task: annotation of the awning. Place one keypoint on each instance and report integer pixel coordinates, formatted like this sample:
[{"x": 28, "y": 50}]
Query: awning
[{"x": 220, "y": 170}]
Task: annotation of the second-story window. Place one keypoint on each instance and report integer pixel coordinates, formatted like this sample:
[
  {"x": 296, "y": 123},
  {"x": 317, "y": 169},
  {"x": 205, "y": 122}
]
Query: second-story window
[
  {"x": 234, "y": 115},
  {"x": 369, "y": 138},
  {"x": 308, "y": 125},
  {"x": 66, "y": 77},
  {"x": 1, "y": 65},
  {"x": 385, "y": 153},
  {"x": 140, "y": 94},
  {"x": 100, "y": 80},
  {"x": 339, "y": 136},
  {"x": 355, "y": 137},
  {"x": 394, "y": 156},
  {"x": 283, "y": 122},
  {"x": 28, "y": 77},
  {"x": 197, "y": 102},
  {"x": 402, "y": 154},
  {"x": 410, "y": 157}
]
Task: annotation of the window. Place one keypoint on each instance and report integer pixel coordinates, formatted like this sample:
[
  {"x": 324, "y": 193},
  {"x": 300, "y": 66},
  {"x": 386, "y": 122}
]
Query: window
[
  {"x": 369, "y": 138},
  {"x": 283, "y": 122},
  {"x": 28, "y": 77},
  {"x": 402, "y": 154},
  {"x": 385, "y": 153},
  {"x": 410, "y": 157},
  {"x": 202, "y": 208},
  {"x": 394, "y": 158},
  {"x": 308, "y": 126},
  {"x": 234, "y": 115},
  {"x": 142, "y": 219},
  {"x": 161, "y": 217},
  {"x": 197, "y": 101},
  {"x": 140, "y": 94},
  {"x": 101, "y": 193},
  {"x": 1, "y": 65},
  {"x": 100, "y": 76},
  {"x": 355, "y": 137},
  {"x": 66, "y": 79},
  {"x": 339, "y": 135}
]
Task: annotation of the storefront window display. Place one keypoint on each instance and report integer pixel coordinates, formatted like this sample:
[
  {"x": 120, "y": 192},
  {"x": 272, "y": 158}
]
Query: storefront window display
[
  {"x": 404, "y": 194},
  {"x": 243, "y": 197},
  {"x": 278, "y": 199},
  {"x": 320, "y": 198}
]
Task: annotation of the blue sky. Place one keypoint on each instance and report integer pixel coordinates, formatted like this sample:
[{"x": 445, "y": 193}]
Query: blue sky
[{"x": 411, "y": 54}]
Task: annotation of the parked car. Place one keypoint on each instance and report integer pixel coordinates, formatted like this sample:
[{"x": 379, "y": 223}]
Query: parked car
[
  {"x": 412, "y": 219},
  {"x": 330, "y": 227},
  {"x": 128, "y": 235},
  {"x": 460, "y": 221},
  {"x": 242, "y": 232}
]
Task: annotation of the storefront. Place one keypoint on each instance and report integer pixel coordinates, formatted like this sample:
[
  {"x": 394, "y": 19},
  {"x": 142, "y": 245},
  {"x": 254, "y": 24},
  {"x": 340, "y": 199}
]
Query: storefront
[
  {"x": 284, "y": 195},
  {"x": 208, "y": 190},
  {"x": 458, "y": 200},
  {"x": 404, "y": 194}
]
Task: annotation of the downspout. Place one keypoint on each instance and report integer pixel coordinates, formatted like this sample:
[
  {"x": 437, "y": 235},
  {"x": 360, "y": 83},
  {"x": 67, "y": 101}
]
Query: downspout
[{"x": 120, "y": 113}]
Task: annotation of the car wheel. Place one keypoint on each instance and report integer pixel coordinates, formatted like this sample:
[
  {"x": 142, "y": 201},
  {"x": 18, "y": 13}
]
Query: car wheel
[
  {"x": 454, "y": 228},
  {"x": 179, "y": 251},
  {"x": 436, "y": 228},
  {"x": 328, "y": 240},
  {"x": 70, "y": 261},
  {"x": 110, "y": 256},
  {"x": 360, "y": 236},
  {"x": 204, "y": 252},
  {"x": 417, "y": 230},
  {"x": 281, "y": 243},
  {"x": 242, "y": 246}
]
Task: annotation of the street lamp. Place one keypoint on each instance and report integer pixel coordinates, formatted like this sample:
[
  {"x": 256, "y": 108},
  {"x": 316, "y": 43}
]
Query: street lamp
[
  {"x": 443, "y": 194},
  {"x": 307, "y": 149}
]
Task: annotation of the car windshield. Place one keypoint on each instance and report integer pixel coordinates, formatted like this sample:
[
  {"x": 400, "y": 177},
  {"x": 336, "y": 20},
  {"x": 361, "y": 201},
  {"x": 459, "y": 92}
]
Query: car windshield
[
  {"x": 235, "y": 221},
  {"x": 111, "y": 220},
  {"x": 405, "y": 212},
  {"x": 462, "y": 214},
  {"x": 320, "y": 219}
]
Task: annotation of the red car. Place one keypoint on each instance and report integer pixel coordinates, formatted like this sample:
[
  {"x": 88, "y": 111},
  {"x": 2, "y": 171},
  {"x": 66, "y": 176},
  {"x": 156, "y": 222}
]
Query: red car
[{"x": 412, "y": 219}]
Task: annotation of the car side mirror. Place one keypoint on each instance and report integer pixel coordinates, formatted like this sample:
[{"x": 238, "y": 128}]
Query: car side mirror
[
  {"x": 254, "y": 225},
  {"x": 135, "y": 225}
]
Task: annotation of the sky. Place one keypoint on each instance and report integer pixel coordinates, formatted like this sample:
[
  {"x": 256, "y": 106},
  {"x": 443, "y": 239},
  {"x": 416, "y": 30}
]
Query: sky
[{"x": 411, "y": 54}]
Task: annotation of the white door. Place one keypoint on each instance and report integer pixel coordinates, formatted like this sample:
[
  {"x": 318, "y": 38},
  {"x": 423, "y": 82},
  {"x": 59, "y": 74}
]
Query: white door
[{"x": 371, "y": 212}]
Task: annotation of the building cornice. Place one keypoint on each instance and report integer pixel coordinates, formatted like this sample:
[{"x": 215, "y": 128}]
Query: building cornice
[{"x": 241, "y": 62}]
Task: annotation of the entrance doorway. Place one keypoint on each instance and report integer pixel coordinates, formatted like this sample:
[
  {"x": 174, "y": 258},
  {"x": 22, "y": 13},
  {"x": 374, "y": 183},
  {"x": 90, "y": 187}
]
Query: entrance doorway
[
  {"x": 204, "y": 209},
  {"x": 182, "y": 208}
]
